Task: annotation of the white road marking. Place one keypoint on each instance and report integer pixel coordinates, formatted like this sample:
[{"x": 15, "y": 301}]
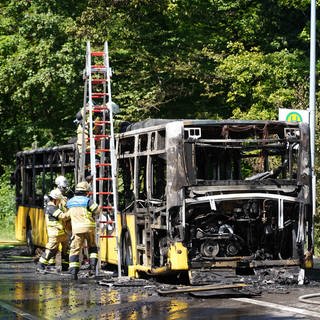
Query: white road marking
[
  {"x": 279, "y": 307},
  {"x": 17, "y": 311}
]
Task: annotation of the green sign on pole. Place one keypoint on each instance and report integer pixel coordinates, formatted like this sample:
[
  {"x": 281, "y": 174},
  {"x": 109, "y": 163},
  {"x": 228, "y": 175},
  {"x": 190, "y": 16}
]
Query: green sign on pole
[{"x": 294, "y": 117}]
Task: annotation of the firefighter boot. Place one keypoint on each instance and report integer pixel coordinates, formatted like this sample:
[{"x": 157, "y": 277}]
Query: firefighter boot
[
  {"x": 74, "y": 273},
  {"x": 41, "y": 268}
]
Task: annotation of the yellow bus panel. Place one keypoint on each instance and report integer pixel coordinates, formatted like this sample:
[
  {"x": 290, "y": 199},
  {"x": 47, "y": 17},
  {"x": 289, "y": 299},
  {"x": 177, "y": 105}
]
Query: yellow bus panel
[
  {"x": 38, "y": 225},
  {"x": 108, "y": 246},
  {"x": 21, "y": 223}
]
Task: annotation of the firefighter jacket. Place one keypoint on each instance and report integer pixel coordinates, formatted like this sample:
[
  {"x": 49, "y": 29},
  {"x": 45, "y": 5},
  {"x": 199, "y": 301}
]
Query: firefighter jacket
[
  {"x": 82, "y": 212},
  {"x": 63, "y": 207},
  {"x": 55, "y": 219}
]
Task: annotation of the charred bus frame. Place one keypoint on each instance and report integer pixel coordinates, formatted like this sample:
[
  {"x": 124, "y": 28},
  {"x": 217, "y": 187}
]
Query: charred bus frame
[
  {"x": 34, "y": 177},
  {"x": 214, "y": 194},
  {"x": 193, "y": 194}
]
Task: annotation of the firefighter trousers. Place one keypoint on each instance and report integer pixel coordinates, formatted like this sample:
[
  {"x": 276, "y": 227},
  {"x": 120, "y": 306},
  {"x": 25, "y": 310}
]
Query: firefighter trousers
[
  {"x": 77, "y": 243},
  {"x": 52, "y": 248}
]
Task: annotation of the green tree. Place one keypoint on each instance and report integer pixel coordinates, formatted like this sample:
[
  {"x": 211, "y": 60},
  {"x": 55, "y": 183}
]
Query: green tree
[
  {"x": 40, "y": 75},
  {"x": 169, "y": 56},
  {"x": 171, "y": 59},
  {"x": 7, "y": 205}
]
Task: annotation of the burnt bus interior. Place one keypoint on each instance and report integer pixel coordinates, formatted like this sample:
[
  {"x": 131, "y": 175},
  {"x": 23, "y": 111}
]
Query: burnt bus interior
[
  {"x": 229, "y": 190},
  {"x": 141, "y": 189},
  {"x": 248, "y": 191},
  {"x": 37, "y": 169}
]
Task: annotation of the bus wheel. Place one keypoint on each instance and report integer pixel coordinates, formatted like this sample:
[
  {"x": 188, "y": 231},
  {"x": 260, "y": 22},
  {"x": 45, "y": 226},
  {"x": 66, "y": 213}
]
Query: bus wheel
[
  {"x": 30, "y": 245},
  {"x": 126, "y": 251}
]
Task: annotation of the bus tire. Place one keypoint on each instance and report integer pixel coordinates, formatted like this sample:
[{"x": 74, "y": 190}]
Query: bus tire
[
  {"x": 126, "y": 251},
  {"x": 30, "y": 246}
]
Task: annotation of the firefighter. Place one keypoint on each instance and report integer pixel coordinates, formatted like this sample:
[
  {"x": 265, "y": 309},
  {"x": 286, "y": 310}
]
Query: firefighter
[
  {"x": 82, "y": 131},
  {"x": 82, "y": 212},
  {"x": 57, "y": 234},
  {"x": 83, "y": 126},
  {"x": 62, "y": 185}
]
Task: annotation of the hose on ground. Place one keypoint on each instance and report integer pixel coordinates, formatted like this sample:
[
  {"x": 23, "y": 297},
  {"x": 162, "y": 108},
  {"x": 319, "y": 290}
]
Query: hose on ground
[{"x": 305, "y": 298}]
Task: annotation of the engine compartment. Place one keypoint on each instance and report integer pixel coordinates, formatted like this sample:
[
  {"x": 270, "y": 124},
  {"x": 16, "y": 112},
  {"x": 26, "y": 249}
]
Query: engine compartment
[{"x": 248, "y": 227}]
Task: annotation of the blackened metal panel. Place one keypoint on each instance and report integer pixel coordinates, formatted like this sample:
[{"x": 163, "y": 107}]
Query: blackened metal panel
[
  {"x": 304, "y": 172},
  {"x": 176, "y": 171}
]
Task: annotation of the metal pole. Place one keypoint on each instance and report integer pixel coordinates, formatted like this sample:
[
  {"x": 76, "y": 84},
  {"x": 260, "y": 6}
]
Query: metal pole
[{"x": 312, "y": 101}]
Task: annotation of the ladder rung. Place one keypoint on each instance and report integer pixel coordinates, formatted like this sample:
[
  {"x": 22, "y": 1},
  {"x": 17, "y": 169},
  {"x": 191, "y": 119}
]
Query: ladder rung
[
  {"x": 101, "y": 192},
  {"x": 107, "y": 222},
  {"x": 103, "y": 164},
  {"x": 99, "y": 151},
  {"x": 107, "y": 207},
  {"x": 107, "y": 236},
  {"x": 103, "y": 179},
  {"x": 99, "y": 108},
  {"x": 97, "y": 95},
  {"x": 101, "y": 122},
  {"x": 96, "y": 138},
  {"x": 98, "y": 68},
  {"x": 97, "y": 53},
  {"x": 100, "y": 136},
  {"x": 98, "y": 81}
]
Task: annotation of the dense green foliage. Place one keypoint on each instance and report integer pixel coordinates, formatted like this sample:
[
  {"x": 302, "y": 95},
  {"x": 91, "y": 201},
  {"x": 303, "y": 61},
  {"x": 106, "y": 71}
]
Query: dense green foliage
[
  {"x": 171, "y": 59},
  {"x": 7, "y": 205},
  {"x": 40, "y": 75}
]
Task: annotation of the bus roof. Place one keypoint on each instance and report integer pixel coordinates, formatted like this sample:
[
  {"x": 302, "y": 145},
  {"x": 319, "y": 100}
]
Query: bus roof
[
  {"x": 203, "y": 122},
  {"x": 66, "y": 147}
]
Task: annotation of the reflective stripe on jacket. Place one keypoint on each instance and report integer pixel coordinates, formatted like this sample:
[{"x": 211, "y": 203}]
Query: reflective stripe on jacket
[
  {"x": 82, "y": 210},
  {"x": 55, "y": 220}
]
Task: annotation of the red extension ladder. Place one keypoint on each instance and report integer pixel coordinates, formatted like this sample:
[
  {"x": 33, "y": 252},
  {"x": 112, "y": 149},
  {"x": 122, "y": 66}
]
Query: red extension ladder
[{"x": 100, "y": 159}]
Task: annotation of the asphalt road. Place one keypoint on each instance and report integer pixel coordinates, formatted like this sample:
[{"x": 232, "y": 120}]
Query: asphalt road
[{"x": 26, "y": 294}]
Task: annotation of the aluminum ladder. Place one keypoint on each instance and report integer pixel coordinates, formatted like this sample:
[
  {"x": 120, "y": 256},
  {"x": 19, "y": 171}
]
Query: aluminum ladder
[{"x": 102, "y": 164}]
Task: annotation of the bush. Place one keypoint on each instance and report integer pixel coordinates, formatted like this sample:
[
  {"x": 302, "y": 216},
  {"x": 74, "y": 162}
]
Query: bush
[{"x": 7, "y": 207}]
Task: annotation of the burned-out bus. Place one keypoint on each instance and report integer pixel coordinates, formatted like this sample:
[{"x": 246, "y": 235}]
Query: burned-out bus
[
  {"x": 200, "y": 194},
  {"x": 205, "y": 194}
]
